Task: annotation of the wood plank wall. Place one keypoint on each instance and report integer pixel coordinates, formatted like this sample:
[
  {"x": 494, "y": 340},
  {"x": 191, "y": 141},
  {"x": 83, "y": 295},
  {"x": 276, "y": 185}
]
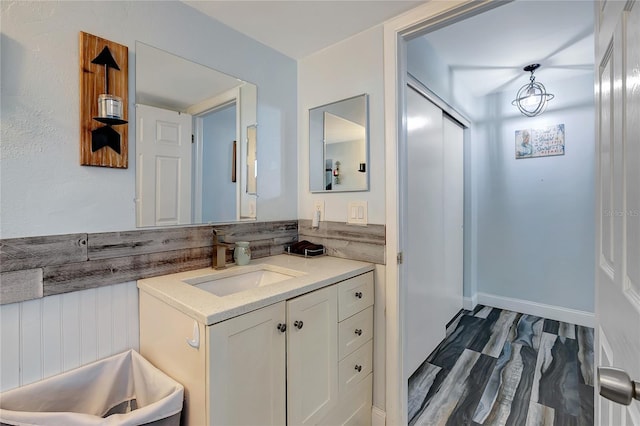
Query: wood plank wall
[
  {"x": 365, "y": 243},
  {"x": 35, "y": 267}
]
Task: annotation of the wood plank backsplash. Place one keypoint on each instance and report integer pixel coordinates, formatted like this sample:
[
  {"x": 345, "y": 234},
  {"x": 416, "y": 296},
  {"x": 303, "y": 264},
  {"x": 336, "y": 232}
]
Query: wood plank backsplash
[
  {"x": 365, "y": 243},
  {"x": 34, "y": 267}
]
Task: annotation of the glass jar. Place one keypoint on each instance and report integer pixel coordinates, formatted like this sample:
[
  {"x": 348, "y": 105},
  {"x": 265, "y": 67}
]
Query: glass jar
[
  {"x": 242, "y": 253},
  {"x": 109, "y": 106}
]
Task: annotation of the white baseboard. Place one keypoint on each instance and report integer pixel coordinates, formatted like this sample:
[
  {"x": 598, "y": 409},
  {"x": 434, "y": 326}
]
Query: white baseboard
[
  {"x": 469, "y": 303},
  {"x": 378, "y": 416},
  {"x": 558, "y": 313}
]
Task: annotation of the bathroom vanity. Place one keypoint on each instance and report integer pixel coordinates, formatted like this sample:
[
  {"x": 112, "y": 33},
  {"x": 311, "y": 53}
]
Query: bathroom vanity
[{"x": 283, "y": 340}]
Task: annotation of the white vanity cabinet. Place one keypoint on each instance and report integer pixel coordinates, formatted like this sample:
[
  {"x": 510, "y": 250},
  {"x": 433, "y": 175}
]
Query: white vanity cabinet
[{"x": 301, "y": 361}]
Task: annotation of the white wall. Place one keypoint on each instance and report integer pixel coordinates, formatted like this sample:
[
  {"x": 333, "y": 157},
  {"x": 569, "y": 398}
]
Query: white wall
[
  {"x": 536, "y": 216},
  {"x": 424, "y": 63},
  {"x": 528, "y": 223},
  {"x": 349, "y": 68},
  {"x": 44, "y": 189}
]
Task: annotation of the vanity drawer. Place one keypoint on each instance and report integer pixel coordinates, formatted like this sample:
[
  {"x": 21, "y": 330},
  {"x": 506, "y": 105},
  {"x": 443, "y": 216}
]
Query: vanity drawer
[
  {"x": 354, "y": 368},
  {"x": 354, "y": 295},
  {"x": 354, "y": 332}
]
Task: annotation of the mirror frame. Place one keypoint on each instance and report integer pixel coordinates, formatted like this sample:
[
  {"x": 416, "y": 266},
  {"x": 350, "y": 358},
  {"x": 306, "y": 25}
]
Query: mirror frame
[{"x": 320, "y": 148}]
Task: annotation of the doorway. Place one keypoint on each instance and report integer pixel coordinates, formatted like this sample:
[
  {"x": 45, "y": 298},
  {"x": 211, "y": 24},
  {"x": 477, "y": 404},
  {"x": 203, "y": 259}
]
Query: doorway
[
  {"x": 397, "y": 34},
  {"x": 217, "y": 140}
]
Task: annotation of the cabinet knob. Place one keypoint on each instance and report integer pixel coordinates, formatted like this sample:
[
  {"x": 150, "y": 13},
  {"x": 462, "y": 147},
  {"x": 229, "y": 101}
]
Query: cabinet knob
[
  {"x": 282, "y": 327},
  {"x": 298, "y": 324},
  {"x": 359, "y": 331},
  {"x": 358, "y": 294},
  {"x": 358, "y": 368}
]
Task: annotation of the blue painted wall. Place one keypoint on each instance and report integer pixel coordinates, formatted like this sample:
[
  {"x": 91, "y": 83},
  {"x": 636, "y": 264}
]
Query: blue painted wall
[{"x": 529, "y": 224}]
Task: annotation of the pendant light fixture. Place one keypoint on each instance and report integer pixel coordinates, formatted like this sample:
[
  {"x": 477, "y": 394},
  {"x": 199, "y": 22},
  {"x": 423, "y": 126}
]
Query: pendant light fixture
[{"x": 532, "y": 98}]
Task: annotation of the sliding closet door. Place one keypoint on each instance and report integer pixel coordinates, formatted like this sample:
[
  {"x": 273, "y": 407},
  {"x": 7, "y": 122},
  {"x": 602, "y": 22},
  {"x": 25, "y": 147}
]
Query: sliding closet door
[
  {"x": 432, "y": 228},
  {"x": 453, "y": 138},
  {"x": 424, "y": 229}
]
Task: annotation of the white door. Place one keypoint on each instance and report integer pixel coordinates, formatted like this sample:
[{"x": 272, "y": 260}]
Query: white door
[
  {"x": 432, "y": 248},
  {"x": 453, "y": 139},
  {"x": 163, "y": 148},
  {"x": 247, "y": 369},
  {"x": 618, "y": 199},
  {"x": 312, "y": 356}
]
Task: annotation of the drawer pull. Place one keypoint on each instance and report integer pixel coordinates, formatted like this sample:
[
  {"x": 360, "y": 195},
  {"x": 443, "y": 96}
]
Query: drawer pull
[
  {"x": 359, "y": 331},
  {"x": 358, "y": 294},
  {"x": 282, "y": 327},
  {"x": 358, "y": 368},
  {"x": 298, "y": 325}
]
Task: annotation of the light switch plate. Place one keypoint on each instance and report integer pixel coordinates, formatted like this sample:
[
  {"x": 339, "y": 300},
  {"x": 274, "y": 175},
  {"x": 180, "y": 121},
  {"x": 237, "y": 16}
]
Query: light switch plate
[{"x": 357, "y": 213}]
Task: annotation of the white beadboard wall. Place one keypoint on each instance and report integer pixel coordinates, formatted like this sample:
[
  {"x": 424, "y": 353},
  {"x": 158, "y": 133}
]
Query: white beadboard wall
[{"x": 44, "y": 337}]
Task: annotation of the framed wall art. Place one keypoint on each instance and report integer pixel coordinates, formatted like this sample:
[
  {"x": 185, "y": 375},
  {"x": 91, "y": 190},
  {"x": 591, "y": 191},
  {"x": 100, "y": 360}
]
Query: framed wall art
[{"x": 542, "y": 142}]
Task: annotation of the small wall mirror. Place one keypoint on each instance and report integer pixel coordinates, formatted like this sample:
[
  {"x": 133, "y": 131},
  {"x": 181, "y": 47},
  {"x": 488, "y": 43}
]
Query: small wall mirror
[
  {"x": 339, "y": 146},
  {"x": 196, "y": 142}
]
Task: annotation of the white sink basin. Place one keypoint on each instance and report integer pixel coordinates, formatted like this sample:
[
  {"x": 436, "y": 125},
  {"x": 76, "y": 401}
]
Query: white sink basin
[{"x": 242, "y": 279}]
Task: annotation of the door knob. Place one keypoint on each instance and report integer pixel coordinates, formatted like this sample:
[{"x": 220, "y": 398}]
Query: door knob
[
  {"x": 282, "y": 327},
  {"x": 358, "y": 294},
  {"x": 616, "y": 385},
  {"x": 298, "y": 325}
]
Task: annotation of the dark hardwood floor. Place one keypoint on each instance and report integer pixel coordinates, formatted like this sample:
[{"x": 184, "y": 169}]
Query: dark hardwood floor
[{"x": 498, "y": 367}]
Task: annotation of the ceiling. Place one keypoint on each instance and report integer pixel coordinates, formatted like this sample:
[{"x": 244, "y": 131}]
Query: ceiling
[
  {"x": 486, "y": 53},
  {"x": 300, "y": 28},
  {"x": 160, "y": 80}
]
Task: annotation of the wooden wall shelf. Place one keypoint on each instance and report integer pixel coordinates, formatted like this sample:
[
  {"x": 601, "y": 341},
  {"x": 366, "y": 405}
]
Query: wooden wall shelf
[{"x": 92, "y": 84}]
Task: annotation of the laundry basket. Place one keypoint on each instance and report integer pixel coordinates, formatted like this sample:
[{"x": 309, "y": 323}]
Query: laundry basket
[{"x": 124, "y": 389}]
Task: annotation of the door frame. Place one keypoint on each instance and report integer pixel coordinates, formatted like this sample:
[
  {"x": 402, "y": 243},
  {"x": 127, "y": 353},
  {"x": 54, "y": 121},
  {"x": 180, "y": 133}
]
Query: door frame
[
  {"x": 198, "y": 112},
  {"x": 397, "y": 32}
]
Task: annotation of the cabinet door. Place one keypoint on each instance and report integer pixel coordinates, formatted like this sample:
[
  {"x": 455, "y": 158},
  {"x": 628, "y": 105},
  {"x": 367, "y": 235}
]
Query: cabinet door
[
  {"x": 312, "y": 356},
  {"x": 247, "y": 369}
]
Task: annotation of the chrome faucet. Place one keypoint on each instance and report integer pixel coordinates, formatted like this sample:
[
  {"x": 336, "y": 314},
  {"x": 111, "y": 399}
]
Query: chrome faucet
[{"x": 219, "y": 249}]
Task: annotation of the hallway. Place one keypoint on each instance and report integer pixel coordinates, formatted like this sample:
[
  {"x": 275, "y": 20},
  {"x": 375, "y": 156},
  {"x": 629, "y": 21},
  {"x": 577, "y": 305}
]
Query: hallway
[{"x": 498, "y": 367}]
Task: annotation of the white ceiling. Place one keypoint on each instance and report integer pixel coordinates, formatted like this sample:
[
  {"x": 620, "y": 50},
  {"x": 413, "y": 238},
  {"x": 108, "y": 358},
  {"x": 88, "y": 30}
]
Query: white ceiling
[
  {"x": 161, "y": 82},
  {"x": 300, "y": 28},
  {"x": 487, "y": 52}
]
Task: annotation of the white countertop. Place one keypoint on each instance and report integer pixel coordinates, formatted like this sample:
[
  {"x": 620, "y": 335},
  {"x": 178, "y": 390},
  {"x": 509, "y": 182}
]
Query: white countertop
[{"x": 209, "y": 309}]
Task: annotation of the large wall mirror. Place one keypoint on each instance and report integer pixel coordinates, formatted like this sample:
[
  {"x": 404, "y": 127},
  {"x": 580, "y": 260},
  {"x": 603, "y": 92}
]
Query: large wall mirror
[
  {"x": 196, "y": 142},
  {"x": 339, "y": 146}
]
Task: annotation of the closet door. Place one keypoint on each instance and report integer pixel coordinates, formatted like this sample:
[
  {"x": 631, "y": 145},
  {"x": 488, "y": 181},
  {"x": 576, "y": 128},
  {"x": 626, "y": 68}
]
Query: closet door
[
  {"x": 424, "y": 230},
  {"x": 453, "y": 138},
  {"x": 431, "y": 226}
]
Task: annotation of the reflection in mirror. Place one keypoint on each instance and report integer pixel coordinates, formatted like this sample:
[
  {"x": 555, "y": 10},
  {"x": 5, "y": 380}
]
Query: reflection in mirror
[
  {"x": 192, "y": 142},
  {"x": 252, "y": 161},
  {"x": 339, "y": 146}
]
